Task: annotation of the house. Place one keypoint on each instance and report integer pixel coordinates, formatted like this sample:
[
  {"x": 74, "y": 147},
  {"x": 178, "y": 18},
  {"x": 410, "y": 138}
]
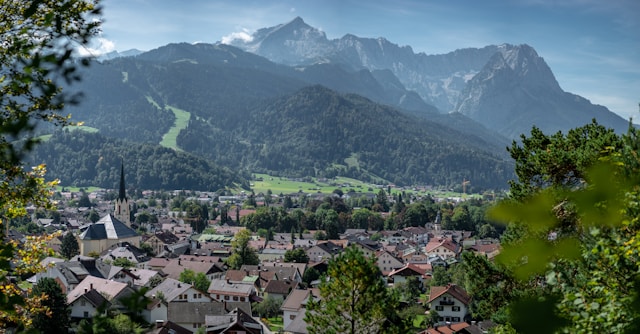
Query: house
[
  {"x": 160, "y": 240},
  {"x": 168, "y": 327},
  {"x": 105, "y": 233},
  {"x": 443, "y": 247},
  {"x": 401, "y": 275},
  {"x": 127, "y": 251},
  {"x": 294, "y": 307},
  {"x": 323, "y": 251},
  {"x": 145, "y": 277},
  {"x": 88, "y": 304},
  {"x": 224, "y": 290},
  {"x": 387, "y": 262},
  {"x": 175, "y": 267},
  {"x": 287, "y": 270},
  {"x": 368, "y": 247},
  {"x": 112, "y": 291},
  {"x": 451, "y": 302},
  {"x": 193, "y": 315},
  {"x": 236, "y": 321},
  {"x": 168, "y": 292},
  {"x": 279, "y": 289}
]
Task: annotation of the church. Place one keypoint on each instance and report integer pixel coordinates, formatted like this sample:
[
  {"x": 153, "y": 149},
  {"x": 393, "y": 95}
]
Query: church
[{"x": 111, "y": 229}]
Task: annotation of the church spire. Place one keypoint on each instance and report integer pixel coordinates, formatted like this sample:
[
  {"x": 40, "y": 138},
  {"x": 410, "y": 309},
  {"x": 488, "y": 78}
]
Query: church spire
[{"x": 122, "y": 195}]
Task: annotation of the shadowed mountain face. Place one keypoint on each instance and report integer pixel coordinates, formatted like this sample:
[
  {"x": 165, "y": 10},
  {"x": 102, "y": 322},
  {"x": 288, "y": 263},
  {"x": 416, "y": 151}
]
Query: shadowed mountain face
[{"x": 507, "y": 88}]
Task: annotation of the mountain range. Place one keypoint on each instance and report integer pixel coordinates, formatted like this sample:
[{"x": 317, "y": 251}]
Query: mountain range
[
  {"x": 291, "y": 102},
  {"x": 507, "y": 88}
]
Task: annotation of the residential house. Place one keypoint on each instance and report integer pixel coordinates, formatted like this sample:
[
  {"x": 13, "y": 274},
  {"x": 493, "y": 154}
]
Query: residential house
[
  {"x": 294, "y": 307},
  {"x": 401, "y": 275},
  {"x": 279, "y": 289},
  {"x": 112, "y": 291},
  {"x": 451, "y": 302},
  {"x": 368, "y": 247},
  {"x": 236, "y": 321},
  {"x": 168, "y": 327},
  {"x": 160, "y": 240},
  {"x": 127, "y": 251},
  {"x": 193, "y": 315},
  {"x": 175, "y": 267},
  {"x": 168, "y": 292},
  {"x": 87, "y": 304},
  {"x": 323, "y": 251},
  {"x": 443, "y": 247},
  {"x": 387, "y": 262},
  {"x": 283, "y": 271},
  {"x": 224, "y": 290}
]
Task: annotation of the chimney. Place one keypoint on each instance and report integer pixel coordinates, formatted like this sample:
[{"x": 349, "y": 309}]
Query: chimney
[
  {"x": 179, "y": 262},
  {"x": 91, "y": 286}
]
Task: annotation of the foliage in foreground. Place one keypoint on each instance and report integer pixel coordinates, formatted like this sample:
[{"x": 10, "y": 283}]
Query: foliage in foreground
[{"x": 578, "y": 243}]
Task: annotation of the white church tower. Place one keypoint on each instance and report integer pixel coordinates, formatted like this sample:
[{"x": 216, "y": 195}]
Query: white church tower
[{"x": 122, "y": 212}]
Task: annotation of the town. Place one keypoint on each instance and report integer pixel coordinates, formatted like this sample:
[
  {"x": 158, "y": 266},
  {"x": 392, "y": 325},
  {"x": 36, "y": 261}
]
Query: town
[{"x": 251, "y": 263}]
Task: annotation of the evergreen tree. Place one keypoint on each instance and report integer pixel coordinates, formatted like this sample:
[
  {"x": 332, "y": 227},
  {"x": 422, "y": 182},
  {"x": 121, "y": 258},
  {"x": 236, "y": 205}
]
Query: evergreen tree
[
  {"x": 57, "y": 319},
  {"x": 354, "y": 299},
  {"x": 69, "y": 247}
]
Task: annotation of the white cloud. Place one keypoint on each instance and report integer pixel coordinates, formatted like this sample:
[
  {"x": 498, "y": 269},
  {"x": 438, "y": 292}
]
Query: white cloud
[
  {"x": 244, "y": 36},
  {"x": 98, "y": 46}
]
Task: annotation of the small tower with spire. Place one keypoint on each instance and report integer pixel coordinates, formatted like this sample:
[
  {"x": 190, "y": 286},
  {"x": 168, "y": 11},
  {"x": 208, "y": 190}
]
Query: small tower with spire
[{"x": 121, "y": 210}]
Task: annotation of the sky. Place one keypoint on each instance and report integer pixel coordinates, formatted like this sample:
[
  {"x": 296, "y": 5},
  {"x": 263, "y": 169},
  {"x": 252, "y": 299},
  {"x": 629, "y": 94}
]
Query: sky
[{"x": 592, "y": 46}]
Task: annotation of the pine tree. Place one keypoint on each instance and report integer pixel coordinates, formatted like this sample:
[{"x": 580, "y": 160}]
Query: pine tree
[
  {"x": 57, "y": 320},
  {"x": 69, "y": 247},
  {"x": 354, "y": 299}
]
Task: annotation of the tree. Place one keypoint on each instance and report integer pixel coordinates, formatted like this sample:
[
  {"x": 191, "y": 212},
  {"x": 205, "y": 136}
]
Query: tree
[
  {"x": 56, "y": 318},
  {"x": 198, "y": 280},
  {"x": 243, "y": 253},
  {"x": 38, "y": 39},
  {"x": 93, "y": 216},
  {"x": 268, "y": 307},
  {"x": 297, "y": 255},
  {"x": 123, "y": 262},
  {"x": 578, "y": 233},
  {"x": 69, "y": 247},
  {"x": 354, "y": 299}
]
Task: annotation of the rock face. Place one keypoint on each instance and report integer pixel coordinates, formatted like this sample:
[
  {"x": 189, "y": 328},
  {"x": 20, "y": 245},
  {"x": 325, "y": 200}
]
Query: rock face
[{"x": 507, "y": 88}]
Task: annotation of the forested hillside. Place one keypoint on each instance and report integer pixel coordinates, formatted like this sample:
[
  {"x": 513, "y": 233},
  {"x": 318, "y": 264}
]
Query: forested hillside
[
  {"x": 249, "y": 114},
  {"x": 79, "y": 158}
]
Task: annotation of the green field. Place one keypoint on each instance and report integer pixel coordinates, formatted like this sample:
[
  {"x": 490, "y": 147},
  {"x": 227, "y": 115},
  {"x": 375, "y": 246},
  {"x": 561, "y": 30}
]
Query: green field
[
  {"x": 182, "y": 120},
  {"x": 263, "y": 182}
]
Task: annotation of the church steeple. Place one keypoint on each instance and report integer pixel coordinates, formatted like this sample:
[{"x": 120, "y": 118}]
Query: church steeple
[
  {"x": 122, "y": 195},
  {"x": 121, "y": 210}
]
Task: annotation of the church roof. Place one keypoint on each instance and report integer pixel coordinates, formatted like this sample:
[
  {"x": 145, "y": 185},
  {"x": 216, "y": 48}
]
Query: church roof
[{"x": 108, "y": 227}]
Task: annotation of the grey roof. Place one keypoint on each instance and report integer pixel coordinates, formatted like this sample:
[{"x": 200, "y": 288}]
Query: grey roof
[
  {"x": 96, "y": 299},
  {"x": 108, "y": 227},
  {"x": 170, "y": 288},
  {"x": 298, "y": 325},
  {"x": 182, "y": 312}
]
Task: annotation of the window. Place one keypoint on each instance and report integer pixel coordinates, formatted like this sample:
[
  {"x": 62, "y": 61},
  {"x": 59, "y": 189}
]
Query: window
[
  {"x": 292, "y": 316},
  {"x": 83, "y": 302},
  {"x": 241, "y": 299},
  {"x": 456, "y": 319},
  {"x": 195, "y": 296},
  {"x": 226, "y": 297},
  {"x": 235, "y": 298},
  {"x": 86, "y": 314},
  {"x": 439, "y": 308},
  {"x": 455, "y": 308}
]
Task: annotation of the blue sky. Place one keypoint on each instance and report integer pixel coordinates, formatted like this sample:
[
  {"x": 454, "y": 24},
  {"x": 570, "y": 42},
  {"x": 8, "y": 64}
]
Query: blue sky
[{"x": 592, "y": 46}]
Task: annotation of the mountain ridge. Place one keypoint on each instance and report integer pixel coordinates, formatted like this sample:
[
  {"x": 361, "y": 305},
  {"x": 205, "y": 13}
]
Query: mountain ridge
[{"x": 444, "y": 80}]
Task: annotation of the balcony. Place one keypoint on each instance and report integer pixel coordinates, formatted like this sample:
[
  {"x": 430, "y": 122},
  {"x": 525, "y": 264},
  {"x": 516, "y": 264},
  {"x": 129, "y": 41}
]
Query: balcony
[{"x": 446, "y": 302}]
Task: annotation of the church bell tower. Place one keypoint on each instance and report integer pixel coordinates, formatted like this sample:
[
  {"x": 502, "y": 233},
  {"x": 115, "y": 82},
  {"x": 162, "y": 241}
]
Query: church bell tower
[{"x": 122, "y": 211}]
